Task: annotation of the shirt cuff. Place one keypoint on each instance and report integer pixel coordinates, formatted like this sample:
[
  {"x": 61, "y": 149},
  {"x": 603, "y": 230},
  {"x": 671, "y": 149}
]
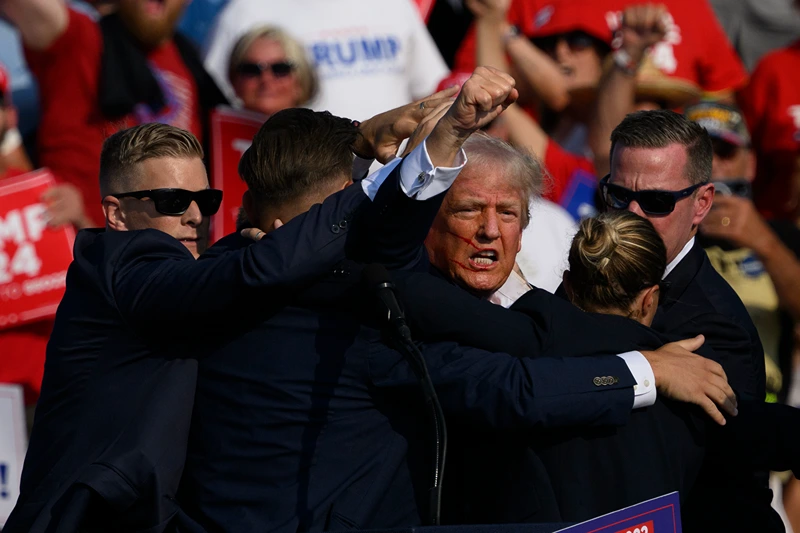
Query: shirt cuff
[
  {"x": 420, "y": 180},
  {"x": 361, "y": 168},
  {"x": 373, "y": 182},
  {"x": 644, "y": 392}
]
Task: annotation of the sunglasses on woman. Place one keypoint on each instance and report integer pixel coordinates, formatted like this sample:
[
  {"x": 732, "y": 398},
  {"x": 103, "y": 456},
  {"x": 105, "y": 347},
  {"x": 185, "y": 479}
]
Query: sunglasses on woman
[
  {"x": 652, "y": 202},
  {"x": 280, "y": 69},
  {"x": 575, "y": 40},
  {"x": 175, "y": 202}
]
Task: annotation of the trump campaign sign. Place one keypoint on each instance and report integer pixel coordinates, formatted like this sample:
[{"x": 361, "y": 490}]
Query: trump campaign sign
[
  {"x": 659, "y": 515},
  {"x": 33, "y": 258},
  {"x": 232, "y": 132}
]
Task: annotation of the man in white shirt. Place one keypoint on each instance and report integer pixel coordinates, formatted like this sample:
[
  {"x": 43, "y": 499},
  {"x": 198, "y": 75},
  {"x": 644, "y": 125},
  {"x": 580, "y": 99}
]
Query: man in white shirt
[{"x": 370, "y": 55}]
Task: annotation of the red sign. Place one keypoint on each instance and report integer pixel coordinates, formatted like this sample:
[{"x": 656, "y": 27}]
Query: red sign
[
  {"x": 646, "y": 527},
  {"x": 232, "y": 132},
  {"x": 33, "y": 258}
]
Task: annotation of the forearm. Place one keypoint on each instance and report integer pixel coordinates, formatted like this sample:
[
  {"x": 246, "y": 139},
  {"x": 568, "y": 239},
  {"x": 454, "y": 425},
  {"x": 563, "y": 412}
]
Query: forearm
[
  {"x": 40, "y": 22},
  {"x": 615, "y": 98},
  {"x": 525, "y": 132},
  {"x": 489, "y": 43},
  {"x": 541, "y": 72}
]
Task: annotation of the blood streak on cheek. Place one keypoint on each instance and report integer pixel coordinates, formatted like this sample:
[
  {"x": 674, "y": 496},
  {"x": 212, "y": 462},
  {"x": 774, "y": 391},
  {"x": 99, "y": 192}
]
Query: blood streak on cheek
[
  {"x": 465, "y": 267},
  {"x": 468, "y": 241}
]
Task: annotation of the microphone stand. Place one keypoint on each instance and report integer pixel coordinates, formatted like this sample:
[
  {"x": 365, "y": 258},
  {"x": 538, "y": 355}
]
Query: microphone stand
[
  {"x": 417, "y": 361},
  {"x": 377, "y": 278}
]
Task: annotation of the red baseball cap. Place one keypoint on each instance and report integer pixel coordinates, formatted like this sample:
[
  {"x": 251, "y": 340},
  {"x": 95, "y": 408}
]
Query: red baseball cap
[{"x": 544, "y": 19}]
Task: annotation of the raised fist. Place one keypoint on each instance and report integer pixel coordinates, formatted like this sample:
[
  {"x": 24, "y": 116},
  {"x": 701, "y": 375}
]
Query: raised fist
[{"x": 643, "y": 26}]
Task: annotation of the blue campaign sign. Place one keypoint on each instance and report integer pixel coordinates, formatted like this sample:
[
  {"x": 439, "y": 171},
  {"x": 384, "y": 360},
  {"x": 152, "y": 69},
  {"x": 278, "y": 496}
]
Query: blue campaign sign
[
  {"x": 659, "y": 515},
  {"x": 578, "y": 197}
]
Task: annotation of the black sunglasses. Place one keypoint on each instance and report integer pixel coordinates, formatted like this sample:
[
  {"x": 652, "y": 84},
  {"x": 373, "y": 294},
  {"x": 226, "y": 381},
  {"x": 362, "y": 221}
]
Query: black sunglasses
[
  {"x": 254, "y": 70},
  {"x": 175, "y": 202},
  {"x": 652, "y": 202},
  {"x": 576, "y": 40}
]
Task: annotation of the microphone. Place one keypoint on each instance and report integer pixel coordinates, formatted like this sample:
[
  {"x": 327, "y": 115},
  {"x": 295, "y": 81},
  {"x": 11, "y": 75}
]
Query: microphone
[{"x": 377, "y": 279}]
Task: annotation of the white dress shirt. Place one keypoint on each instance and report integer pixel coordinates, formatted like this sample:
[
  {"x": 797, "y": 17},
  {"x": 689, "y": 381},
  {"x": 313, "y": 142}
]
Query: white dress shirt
[
  {"x": 678, "y": 258},
  {"x": 419, "y": 179}
]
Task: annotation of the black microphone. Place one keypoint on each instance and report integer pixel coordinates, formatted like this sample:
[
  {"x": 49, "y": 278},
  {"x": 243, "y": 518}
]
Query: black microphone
[{"x": 378, "y": 280}]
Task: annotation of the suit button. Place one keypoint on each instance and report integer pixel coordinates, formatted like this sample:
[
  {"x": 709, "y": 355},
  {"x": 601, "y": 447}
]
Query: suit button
[
  {"x": 597, "y": 382},
  {"x": 335, "y": 228},
  {"x": 348, "y": 217},
  {"x": 343, "y": 224}
]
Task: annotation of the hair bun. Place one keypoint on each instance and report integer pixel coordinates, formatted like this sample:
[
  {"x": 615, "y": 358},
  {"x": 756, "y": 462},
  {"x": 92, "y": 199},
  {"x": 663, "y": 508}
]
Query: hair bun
[{"x": 598, "y": 243}]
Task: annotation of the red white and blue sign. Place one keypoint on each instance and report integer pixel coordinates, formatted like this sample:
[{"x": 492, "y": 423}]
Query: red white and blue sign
[{"x": 659, "y": 515}]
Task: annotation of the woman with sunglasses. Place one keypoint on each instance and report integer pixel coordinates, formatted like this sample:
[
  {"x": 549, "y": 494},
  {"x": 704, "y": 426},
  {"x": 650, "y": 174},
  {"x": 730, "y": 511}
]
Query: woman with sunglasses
[{"x": 269, "y": 71}]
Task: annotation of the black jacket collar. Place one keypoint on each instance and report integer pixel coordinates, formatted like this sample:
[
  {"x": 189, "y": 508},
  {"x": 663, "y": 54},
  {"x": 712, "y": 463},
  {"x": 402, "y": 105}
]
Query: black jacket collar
[{"x": 683, "y": 274}]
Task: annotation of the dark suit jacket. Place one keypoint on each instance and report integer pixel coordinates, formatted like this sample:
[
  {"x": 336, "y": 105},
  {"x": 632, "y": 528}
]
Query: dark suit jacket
[
  {"x": 108, "y": 442},
  {"x": 587, "y": 472},
  {"x": 700, "y": 301},
  {"x": 305, "y": 421}
]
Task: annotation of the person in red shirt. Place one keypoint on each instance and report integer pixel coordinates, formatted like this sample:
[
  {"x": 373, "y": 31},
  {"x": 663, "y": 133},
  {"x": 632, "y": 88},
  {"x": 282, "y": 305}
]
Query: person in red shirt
[
  {"x": 97, "y": 77},
  {"x": 771, "y": 106},
  {"x": 696, "y": 48},
  {"x": 23, "y": 347}
]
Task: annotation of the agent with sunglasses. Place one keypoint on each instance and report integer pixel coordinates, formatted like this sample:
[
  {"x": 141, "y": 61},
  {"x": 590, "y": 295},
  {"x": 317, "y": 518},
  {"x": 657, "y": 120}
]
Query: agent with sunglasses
[
  {"x": 109, "y": 440},
  {"x": 661, "y": 168}
]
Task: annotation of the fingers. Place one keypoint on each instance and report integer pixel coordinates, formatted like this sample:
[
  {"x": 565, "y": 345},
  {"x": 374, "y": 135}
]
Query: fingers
[
  {"x": 254, "y": 234},
  {"x": 690, "y": 345},
  {"x": 275, "y": 225},
  {"x": 711, "y": 410}
]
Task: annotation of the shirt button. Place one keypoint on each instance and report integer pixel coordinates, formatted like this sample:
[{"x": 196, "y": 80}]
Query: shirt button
[
  {"x": 647, "y": 383},
  {"x": 421, "y": 177}
]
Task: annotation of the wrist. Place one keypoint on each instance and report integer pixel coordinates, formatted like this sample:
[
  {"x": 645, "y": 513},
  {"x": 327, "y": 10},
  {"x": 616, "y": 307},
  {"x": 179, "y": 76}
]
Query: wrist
[
  {"x": 510, "y": 33},
  {"x": 626, "y": 61},
  {"x": 361, "y": 146}
]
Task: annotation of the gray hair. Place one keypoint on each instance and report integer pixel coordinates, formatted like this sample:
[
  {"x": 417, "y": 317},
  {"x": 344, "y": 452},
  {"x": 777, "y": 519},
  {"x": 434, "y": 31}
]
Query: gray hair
[
  {"x": 662, "y": 128},
  {"x": 295, "y": 53},
  {"x": 523, "y": 171}
]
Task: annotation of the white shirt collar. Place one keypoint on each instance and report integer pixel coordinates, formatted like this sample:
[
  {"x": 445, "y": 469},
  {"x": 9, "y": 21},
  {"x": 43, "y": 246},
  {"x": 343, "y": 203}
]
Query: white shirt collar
[
  {"x": 672, "y": 264},
  {"x": 514, "y": 287}
]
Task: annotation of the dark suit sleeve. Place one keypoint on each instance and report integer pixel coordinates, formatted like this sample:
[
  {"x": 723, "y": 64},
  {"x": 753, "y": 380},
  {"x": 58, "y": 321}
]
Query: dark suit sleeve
[
  {"x": 763, "y": 436},
  {"x": 154, "y": 279},
  {"x": 438, "y": 311},
  {"x": 393, "y": 228},
  {"x": 729, "y": 345},
  {"x": 497, "y": 390}
]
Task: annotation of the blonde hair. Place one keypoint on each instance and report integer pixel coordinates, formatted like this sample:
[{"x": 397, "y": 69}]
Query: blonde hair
[
  {"x": 124, "y": 150},
  {"x": 612, "y": 259},
  {"x": 295, "y": 54}
]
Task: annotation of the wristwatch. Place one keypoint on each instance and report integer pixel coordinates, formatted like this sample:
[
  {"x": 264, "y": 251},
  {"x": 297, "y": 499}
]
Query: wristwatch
[
  {"x": 625, "y": 62},
  {"x": 511, "y": 33}
]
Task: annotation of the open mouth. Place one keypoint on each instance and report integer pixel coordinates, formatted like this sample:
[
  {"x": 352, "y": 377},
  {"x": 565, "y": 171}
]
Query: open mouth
[{"x": 484, "y": 259}]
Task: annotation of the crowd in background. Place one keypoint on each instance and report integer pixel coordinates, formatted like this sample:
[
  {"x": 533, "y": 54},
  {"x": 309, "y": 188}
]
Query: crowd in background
[{"x": 580, "y": 67}]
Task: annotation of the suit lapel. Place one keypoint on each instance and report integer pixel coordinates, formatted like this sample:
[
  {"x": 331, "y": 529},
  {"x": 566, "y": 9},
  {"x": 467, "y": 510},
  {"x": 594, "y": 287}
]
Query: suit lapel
[{"x": 681, "y": 277}]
